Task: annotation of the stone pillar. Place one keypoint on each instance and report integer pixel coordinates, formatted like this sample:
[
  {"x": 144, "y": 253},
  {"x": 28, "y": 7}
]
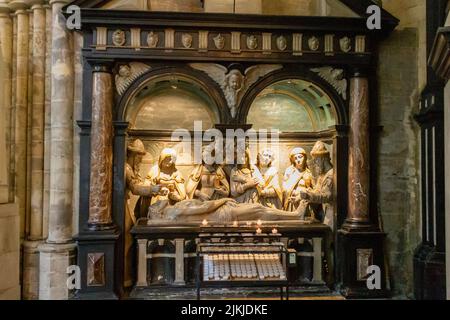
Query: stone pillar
[
  {"x": 141, "y": 280},
  {"x": 179, "y": 262},
  {"x": 47, "y": 119},
  {"x": 31, "y": 253},
  {"x": 359, "y": 155},
  {"x": 38, "y": 100},
  {"x": 100, "y": 195},
  {"x": 6, "y": 36},
  {"x": 58, "y": 253},
  {"x": 21, "y": 112}
]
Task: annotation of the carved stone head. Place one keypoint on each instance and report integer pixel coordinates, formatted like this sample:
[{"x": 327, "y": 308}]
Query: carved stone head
[
  {"x": 281, "y": 43},
  {"x": 119, "y": 38},
  {"x": 298, "y": 158},
  {"x": 219, "y": 41},
  {"x": 345, "y": 44},
  {"x": 167, "y": 159},
  {"x": 234, "y": 79},
  {"x": 252, "y": 42},
  {"x": 124, "y": 71},
  {"x": 321, "y": 161},
  {"x": 152, "y": 39},
  {"x": 186, "y": 39},
  {"x": 265, "y": 158},
  {"x": 313, "y": 43}
]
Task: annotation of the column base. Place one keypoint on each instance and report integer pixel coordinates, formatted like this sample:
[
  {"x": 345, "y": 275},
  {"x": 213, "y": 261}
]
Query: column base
[
  {"x": 54, "y": 258},
  {"x": 98, "y": 261},
  {"x": 30, "y": 276},
  {"x": 359, "y": 250},
  {"x": 358, "y": 225}
]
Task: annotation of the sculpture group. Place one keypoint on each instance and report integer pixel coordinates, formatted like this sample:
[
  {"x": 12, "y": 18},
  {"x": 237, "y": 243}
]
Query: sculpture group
[{"x": 249, "y": 191}]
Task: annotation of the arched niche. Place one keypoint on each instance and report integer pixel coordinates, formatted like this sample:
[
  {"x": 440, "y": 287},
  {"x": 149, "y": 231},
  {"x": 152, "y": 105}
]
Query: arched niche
[
  {"x": 170, "y": 102},
  {"x": 292, "y": 105}
]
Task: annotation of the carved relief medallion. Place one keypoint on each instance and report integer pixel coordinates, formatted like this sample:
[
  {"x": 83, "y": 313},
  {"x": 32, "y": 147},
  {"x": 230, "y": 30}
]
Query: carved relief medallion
[
  {"x": 252, "y": 42},
  {"x": 152, "y": 39},
  {"x": 219, "y": 41},
  {"x": 313, "y": 43},
  {"x": 119, "y": 38},
  {"x": 281, "y": 43},
  {"x": 345, "y": 44},
  {"x": 186, "y": 39}
]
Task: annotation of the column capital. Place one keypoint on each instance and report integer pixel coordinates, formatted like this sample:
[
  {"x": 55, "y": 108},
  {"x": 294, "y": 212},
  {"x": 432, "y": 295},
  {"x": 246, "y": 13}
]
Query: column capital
[
  {"x": 101, "y": 65},
  {"x": 52, "y": 2},
  {"x": 359, "y": 72},
  {"x": 4, "y": 7},
  {"x": 18, "y": 6}
]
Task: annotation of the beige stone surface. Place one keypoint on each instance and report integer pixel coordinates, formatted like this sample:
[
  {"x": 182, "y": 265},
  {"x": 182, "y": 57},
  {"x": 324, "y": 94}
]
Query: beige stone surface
[
  {"x": 61, "y": 159},
  {"x": 398, "y": 155},
  {"x": 5, "y": 100},
  {"x": 21, "y": 114},
  {"x": 9, "y": 252},
  {"x": 37, "y": 123}
]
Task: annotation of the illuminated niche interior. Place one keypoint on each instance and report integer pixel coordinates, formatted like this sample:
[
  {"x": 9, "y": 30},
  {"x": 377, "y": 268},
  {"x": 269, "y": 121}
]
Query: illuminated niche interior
[{"x": 292, "y": 106}]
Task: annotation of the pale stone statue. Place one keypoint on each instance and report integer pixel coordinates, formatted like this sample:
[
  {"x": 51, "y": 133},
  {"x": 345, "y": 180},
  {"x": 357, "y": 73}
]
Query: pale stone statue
[
  {"x": 232, "y": 82},
  {"x": 219, "y": 41},
  {"x": 166, "y": 174},
  {"x": 269, "y": 189},
  {"x": 334, "y": 77},
  {"x": 296, "y": 177},
  {"x": 119, "y": 38},
  {"x": 152, "y": 39},
  {"x": 127, "y": 73},
  {"x": 321, "y": 197},
  {"x": 345, "y": 44},
  {"x": 207, "y": 182},
  {"x": 243, "y": 183},
  {"x": 252, "y": 42},
  {"x": 221, "y": 211},
  {"x": 186, "y": 39},
  {"x": 137, "y": 186},
  {"x": 281, "y": 43},
  {"x": 313, "y": 43}
]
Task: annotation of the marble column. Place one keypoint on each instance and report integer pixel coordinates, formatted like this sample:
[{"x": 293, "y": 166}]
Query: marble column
[
  {"x": 58, "y": 252},
  {"x": 30, "y": 281},
  {"x": 21, "y": 112},
  {"x": 359, "y": 155},
  {"x": 6, "y": 36},
  {"x": 100, "y": 195}
]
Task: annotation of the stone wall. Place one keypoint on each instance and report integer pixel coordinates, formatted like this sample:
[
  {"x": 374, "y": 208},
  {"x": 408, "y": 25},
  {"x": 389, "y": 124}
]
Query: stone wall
[
  {"x": 401, "y": 77},
  {"x": 9, "y": 252}
]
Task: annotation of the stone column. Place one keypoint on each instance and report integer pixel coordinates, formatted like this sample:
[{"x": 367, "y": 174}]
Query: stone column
[
  {"x": 100, "y": 195},
  {"x": 21, "y": 112},
  {"x": 6, "y": 36},
  {"x": 359, "y": 155},
  {"x": 58, "y": 253},
  {"x": 30, "y": 281},
  {"x": 38, "y": 99}
]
